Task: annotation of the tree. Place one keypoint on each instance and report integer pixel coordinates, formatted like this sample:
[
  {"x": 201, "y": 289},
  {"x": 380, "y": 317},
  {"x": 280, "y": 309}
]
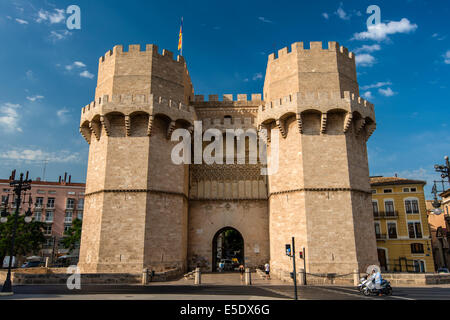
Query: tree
[
  {"x": 73, "y": 235},
  {"x": 29, "y": 237}
]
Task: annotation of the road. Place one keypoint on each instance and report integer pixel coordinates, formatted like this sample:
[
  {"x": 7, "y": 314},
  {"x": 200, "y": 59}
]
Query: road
[{"x": 217, "y": 292}]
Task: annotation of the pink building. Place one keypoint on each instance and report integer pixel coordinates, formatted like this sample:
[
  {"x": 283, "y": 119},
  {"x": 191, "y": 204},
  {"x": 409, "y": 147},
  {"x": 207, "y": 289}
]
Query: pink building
[{"x": 56, "y": 204}]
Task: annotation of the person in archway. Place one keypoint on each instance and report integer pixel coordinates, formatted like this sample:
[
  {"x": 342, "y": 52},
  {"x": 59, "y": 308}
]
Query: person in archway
[
  {"x": 242, "y": 271},
  {"x": 267, "y": 270}
]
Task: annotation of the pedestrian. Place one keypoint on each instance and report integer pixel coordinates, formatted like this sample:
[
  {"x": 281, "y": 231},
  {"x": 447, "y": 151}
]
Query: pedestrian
[
  {"x": 221, "y": 266},
  {"x": 267, "y": 269},
  {"x": 242, "y": 271}
]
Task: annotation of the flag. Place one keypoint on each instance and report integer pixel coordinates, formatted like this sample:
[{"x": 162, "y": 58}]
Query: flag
[{"x": 180, "y": 39}]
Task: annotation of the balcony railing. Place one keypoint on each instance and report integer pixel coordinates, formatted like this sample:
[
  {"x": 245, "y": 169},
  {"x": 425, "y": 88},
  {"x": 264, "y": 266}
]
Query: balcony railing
[
  {"x": 385, "y": 215},
  {"x": 380, "y": 236}
]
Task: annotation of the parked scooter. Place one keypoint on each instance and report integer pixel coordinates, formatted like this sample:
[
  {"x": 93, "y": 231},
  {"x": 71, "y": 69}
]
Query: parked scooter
[{"x": 368, "y": 288}]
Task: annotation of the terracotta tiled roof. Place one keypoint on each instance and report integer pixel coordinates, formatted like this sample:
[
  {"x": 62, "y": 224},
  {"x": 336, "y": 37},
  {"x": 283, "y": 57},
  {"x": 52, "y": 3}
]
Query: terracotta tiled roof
[{"x": 385, "y": 181}]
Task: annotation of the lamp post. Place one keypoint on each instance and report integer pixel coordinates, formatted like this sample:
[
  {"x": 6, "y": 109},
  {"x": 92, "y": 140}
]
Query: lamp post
[
  {"x": 444, "y": 169},
  {"x": 19, "y": 186},
  {"x": 437, "y": 203}
]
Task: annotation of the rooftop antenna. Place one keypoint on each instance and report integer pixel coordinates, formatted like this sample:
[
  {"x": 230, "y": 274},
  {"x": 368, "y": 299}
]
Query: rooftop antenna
[{"x": 45, "y": 167}]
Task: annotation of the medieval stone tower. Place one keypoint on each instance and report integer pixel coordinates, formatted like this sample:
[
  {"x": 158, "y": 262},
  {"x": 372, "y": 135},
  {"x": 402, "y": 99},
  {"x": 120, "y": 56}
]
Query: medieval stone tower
[{"x": 144, "y": 211}]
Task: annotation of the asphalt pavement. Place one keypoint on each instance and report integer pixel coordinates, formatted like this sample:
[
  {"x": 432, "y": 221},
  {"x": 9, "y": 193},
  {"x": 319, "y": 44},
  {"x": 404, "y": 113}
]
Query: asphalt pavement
[{"x": 218, "y": 292}]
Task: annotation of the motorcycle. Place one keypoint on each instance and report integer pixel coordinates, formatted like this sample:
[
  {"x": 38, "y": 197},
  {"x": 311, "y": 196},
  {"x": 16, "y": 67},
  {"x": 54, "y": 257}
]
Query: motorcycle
[{"x": 367, "y": 287}]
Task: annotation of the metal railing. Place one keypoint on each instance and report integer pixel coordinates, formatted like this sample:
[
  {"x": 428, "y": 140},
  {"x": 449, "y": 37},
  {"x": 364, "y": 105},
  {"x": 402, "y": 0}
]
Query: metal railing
[{"x": 385, "y": 214}]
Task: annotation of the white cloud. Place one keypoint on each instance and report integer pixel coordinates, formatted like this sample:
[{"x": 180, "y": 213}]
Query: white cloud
[
  {"x": 63, "y": 156},
  {"x": 86, "y": 74},
  {"x": 367, "y": 95},
  {"x": 447, "y": 57},
  {"x": 367, "y": 48},
  {"x": 386, "y": 92},
  {"x": 9, "y": 117},
  {"x": 257, "y": 76},
  {"x": 21, "y": 21},
  {"x": 34, "y": 98},
  {"x": 381, "y": 31},
  {"x": 59, "y": 35},
  {"x": 438, "y": 37},
  {"x": 263, "y": 19},
  {"x": 325, "y": 15},
  {"x": 63, "y": 115},
  {"x": 76, "y": 64},
  {"x": 364, "y": 60},
  {"x": 376, "y": 85},
  {"x": 57, "y": 16},
  {"x": 341, "y": 13}
]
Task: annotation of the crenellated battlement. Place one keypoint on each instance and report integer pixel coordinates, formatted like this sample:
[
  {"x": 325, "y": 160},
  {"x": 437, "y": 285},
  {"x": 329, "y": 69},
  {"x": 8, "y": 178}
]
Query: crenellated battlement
[
  {"x": 255, "y": 97},
  {"x": 320, "y": 98},
  {"x": 136, "y": 49},
  {"x": 314, "y": 47},
  {"x": 129, "y": 104}
]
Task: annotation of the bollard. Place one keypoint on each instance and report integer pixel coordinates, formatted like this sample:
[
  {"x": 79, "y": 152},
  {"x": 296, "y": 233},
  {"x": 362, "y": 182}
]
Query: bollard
[
  {"x": 198, "y": 276},
  {"x": 248, "y": 277},
  {"x": 356, "y": 277},
  {"x": 144, "y": 277},
  {"x": 302, "y": 277},
  {"x": 46, "y": 262}
]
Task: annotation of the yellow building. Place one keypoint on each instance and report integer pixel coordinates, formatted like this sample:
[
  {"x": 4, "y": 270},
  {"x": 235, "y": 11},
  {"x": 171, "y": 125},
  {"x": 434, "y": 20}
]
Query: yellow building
[{"x": 401, "y": 225}]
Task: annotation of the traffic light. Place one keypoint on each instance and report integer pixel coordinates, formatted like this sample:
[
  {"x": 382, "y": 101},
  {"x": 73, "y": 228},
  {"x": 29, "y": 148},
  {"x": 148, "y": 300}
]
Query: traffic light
[
  {"x": 300, "y": 255},
  {"x": 288, "y": 250}
]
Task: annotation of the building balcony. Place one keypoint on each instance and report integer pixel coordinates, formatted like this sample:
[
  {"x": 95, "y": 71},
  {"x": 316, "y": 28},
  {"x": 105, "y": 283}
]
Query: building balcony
[
  {"x": 380, "y": 236},
  {"x": 386, "y": 215}
]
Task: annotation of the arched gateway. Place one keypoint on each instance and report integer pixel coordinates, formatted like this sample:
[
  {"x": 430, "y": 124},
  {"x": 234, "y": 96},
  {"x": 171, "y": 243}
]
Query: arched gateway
[{"x": 228, "y": 247}]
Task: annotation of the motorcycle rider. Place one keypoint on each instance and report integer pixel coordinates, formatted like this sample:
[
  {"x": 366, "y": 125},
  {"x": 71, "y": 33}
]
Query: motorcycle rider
[{"x": 376, "y": 277}]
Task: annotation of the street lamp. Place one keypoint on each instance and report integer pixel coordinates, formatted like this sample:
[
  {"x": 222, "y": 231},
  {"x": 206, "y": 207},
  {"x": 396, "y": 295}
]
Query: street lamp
[
  {"x": 445, "y": 169},
  {"x": 19, "y": 186}
]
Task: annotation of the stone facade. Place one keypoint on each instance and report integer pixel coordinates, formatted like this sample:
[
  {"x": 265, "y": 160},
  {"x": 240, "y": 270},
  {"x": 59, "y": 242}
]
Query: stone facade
[{"x": 144, "y": 211}]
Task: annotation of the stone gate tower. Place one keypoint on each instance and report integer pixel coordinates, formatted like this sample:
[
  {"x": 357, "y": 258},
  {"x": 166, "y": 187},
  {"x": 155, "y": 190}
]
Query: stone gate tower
[
  {"x": 135, "y": 215},
  {"x": 143, "y": 211},
  {"x": 311, "y": 96}
]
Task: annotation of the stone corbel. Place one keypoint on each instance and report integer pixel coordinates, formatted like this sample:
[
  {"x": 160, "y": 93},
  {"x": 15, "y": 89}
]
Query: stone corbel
[
  {"x": 262, "y": 130},
  {"x": 299, "y": 122},
  {"x": 86, "y": 133},
  {"x": 105, "y": 124},
  {"x": 348, "y": 121},
  {"x": 370, "y": 130},
  {"x": 150, "y": 125},
  {"x": 127, "y": 125},
  {"x": 359, "y": 125},
  {"x": 95, "y": 129},
  {"x": 280, "y": 125},
  {"x": 170, "y": 129},
  {"x": 323, "y": 126}
]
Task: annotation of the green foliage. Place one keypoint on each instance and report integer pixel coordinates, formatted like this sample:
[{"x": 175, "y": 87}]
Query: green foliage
[
  {"x": 29, "y": 237},
  {"x": 73, "y": 235}
]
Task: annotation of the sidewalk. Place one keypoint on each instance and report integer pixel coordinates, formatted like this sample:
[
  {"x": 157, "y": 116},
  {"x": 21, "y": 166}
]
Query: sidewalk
[{"x": 226, "y": 278}]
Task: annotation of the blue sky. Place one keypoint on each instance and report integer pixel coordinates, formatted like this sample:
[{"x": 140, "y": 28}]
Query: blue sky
[{"x": 47, "y": 72}]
